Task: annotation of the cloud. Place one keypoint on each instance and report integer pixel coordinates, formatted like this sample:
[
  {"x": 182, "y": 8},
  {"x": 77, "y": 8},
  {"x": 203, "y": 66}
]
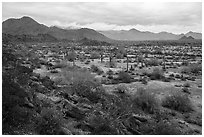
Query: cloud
[{"x": 105, "y": 16}]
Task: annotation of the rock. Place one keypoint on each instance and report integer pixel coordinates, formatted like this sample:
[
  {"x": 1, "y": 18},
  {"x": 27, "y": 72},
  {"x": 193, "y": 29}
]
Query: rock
[
  {"x": 55, "y": 99},
  {"x": 183, "y": 122},
  {"x": 85, "y": 106},
  {"x": 41, "y": 96},
  {"x": 132, "y": 125},
  {"x": 64, "y": 131},
  {"x": 30, "y": 105},
  {"x": 140, "y": 118},
  {"x": 75, "y": 113}
]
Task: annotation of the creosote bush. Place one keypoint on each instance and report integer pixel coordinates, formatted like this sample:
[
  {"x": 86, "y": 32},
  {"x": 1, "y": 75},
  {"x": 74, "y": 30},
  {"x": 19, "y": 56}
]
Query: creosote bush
[
  {"x": 178, "y": 101},
  {"x": 84, "y": 84},
  {"x": 166, "y": 128},
  {"x": 157, "y": 74},
  {"x": 49, "y": 123},
  {"x": 124, "y": 77},
  {"x": 121, "y": 89},
  {"x": 96, "y": 69},
  {"x": 145, "y": 101}
]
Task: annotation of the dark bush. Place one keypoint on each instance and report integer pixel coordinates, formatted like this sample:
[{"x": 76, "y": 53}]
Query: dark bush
[
  {"x": 109, "y": 72},
  {"x": 124, "y": 77},
  {"x": 178, "y": 101},
  {"x": 96, "y": 69},
  {"x": 145, "y": 101},
  {"x": 157, "y": 74},
  {"x": 49, "y": 123},
  {"x": 121, "y": 89},
  {"x": 186, "y": 85},
  {"x": 167, "y": 128},
  {"x": 186, "y": 90}
]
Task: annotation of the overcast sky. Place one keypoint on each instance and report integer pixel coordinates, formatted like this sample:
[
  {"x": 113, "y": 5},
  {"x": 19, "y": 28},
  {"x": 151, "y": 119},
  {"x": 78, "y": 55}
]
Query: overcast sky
[{"x": 156, "y": 17}]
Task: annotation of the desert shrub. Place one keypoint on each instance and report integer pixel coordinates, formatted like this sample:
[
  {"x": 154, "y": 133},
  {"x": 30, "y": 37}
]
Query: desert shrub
[
  {"x": 195, "y": 68},
  {"x": 113, "y": 64},
  {"x": 157, "y": 74},
  {"x": 49, "y": 123},
  {"x": 195, "y": 118},
  {"x": 95, "y": 55},
  {"x": 186, "y": 85},
  {"x": 192, "y": 68},
  {"x": 145, "y": 101},
  {"x": 61, "y": 64},
  {"x": 144, "y": 81},
  {"x": 96, "y": 69},
  {"x": 166, "y": 128},
  {"x": 178, "y": 101},
  {"x": 121, "y": 89},
  {"x": 131, "y": 68},
  {"x": 124, "y": 77},
  {"x": 108, "y": 115},
  {"x": 185, "y": 63},
  {"x": 166, "y": 79},
  {"x": 83, "y": 84},
  {"x": 109, "y": 72},
  {"x": 87, "y": 62},
  {"x": 185, "y": 70},
  {"x": 101, "y": 125},
  {"x": 171, "y": 75},
  {"x": 186, "y": 90},
  {"x": 110, "y": 77},
  {"x": 152, "y": 62}
]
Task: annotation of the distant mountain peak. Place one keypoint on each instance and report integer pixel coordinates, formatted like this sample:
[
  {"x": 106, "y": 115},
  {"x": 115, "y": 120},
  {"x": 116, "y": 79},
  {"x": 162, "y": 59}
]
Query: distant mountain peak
[
  {"x": 26, "y": 17},
  {"x": 28, "y": 26},
  {"x": 186, "y": 38},
  {"x": 190, "y": 32},
  {"x": 134, "y": 30}
]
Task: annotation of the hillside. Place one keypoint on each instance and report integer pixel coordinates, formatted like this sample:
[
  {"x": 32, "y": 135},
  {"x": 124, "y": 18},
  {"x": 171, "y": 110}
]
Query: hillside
[
  {"x": 28, "y": 26},
  {"x": 28, "y": 38}
]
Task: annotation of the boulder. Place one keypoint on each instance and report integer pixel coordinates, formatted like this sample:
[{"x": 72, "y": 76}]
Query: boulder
[
  {"x": 76, "y": 113},
  {"x": 140, "y": 118},
  {"x": 55, "y": 99},
  {"x": 65, "y": 131}
]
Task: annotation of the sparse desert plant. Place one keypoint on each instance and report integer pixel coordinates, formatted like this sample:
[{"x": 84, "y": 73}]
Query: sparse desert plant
[
  {"x": 87, "y": 62},
  {"x": 124, "y": 77},
  {"x": 178, "y": 101},
  {"x": 95, "y": 55},
  {"x": 145, "y": 101},
  {"x": 49, "y": 123},
  {"x": 152, "y": 62},
  {"x": 186, "y": 85},
  {"x": 109, "y": 72},
  {"x": 113, "y": 64},
  {"x": 157, "y": 74},
  {"x": 186, "y": 90},
  {"x": 84, "y": 85},
  {"x": 166, "y": 128},
  {"x": 192, "y": 68},
  {"x": 144, "y": 81},
  {"x": 61, "y": 64},
  {"x": 96, "y": 69},
  {"x": 121, "y": 89}
]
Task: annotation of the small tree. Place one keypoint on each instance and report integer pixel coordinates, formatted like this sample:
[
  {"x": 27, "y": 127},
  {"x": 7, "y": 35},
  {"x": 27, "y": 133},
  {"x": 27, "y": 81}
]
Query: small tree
[
  {"x": 95, "y": 55},
  {"x": 71, "y": 57}
]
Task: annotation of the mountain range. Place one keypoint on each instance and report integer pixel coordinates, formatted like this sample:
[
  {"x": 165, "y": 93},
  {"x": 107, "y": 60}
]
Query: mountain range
[
  {"x": 28, "y": 26},
  {"x": 136, "y": 35}
]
